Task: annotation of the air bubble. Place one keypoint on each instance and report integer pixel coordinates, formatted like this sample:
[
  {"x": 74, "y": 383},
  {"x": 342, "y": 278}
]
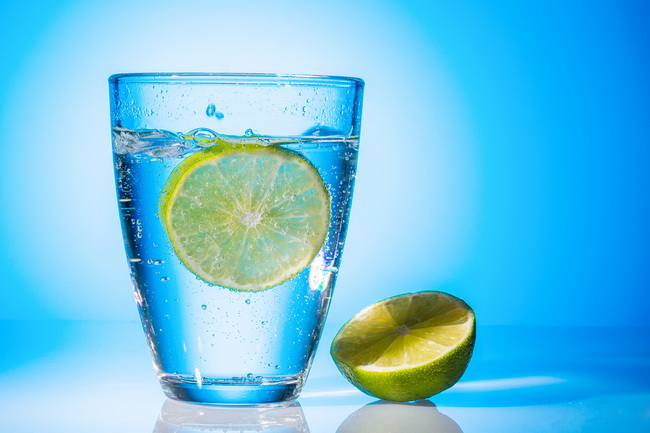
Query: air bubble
[
  {"x": 210, "y": 110},
  {"x": 203, "y": 307},
  {"x": 248, "y": 301},
  {"x": 249, "y": 132},
  {"x": 203, "y": 137},
  {"x": 163, "y": 279}
]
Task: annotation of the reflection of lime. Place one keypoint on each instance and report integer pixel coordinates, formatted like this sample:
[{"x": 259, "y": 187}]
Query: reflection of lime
[
  {"x": 385, "y": 417},
  {"x": 245, "y": 217},
  {"x": 407, "y": 347}
]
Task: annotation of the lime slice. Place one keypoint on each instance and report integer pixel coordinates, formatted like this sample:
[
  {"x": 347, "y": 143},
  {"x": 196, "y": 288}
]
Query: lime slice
[
  {"x": 407, "y": 347},
  {"x": 246, "y": 217}
]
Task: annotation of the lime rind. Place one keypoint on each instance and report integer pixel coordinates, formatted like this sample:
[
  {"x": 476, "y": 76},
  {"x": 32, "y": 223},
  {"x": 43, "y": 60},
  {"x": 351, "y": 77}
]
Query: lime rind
[
  {"x": 407, "y": 347},
  {"x": 246, "y": 217}
]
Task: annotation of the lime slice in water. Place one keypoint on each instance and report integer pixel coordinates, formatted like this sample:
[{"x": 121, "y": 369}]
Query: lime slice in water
[
  {"x": 246, "y": 217},
  {"x": 407, "y": 347}
]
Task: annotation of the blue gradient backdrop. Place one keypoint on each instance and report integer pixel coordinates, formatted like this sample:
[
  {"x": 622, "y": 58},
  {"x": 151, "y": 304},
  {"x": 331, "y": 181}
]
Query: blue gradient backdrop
[{"x": 505, "y": 146}]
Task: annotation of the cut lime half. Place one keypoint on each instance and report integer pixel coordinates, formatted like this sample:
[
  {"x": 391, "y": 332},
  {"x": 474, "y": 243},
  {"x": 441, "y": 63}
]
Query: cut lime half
[
  {"x": 246, "y": 217},
  {"x": 407, "y": 347}
]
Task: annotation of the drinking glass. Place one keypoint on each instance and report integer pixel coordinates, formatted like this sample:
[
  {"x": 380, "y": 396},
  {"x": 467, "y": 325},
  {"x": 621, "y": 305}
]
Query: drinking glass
[{"x": 234, "y": 193}]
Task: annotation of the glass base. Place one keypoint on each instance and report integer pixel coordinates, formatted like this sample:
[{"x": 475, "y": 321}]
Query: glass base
[{"x": 233, "y": 390}]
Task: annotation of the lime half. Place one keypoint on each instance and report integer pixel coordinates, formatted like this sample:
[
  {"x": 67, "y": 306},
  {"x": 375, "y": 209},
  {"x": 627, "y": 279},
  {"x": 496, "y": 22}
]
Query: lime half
[
  {"x": 407, "y": 347},
  {"x": 246, "y": 217}
]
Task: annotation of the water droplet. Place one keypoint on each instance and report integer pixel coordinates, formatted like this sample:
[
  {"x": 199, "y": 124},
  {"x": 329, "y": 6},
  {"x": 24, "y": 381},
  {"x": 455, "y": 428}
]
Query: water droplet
[
  {"x": 203, "y": 307},
  {"x": 218, "y": 115},
  {"x": 249, "y": 133},
  {"x": 277, "y": 367},
  {"x": 248, "y": 301},
  {"x": 163, "y": 279},
  {"x": 210, "y": 110}
]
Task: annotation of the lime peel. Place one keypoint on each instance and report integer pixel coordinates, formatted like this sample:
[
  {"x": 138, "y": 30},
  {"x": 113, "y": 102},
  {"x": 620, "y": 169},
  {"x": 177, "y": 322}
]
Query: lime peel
[{"x": 407, "y": 347}]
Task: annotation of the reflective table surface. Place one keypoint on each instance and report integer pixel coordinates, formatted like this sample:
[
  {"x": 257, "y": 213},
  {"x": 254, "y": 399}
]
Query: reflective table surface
[{"x": 62, "y": 376}]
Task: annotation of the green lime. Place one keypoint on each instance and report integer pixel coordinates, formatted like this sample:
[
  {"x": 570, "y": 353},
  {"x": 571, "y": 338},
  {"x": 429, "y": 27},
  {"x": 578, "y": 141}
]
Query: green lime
[
  {"x": 407, "y": 347},
  {"x": 246, "y": 217}
]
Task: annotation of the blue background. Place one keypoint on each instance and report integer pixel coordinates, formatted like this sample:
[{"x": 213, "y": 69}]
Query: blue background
[{"x": 505, "y": 147}]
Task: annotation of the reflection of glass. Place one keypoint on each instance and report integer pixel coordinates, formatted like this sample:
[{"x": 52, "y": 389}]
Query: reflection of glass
[
  {"x": 385, "y": 417},
  {"x": 179, "y": 417},
  {"x": 234, "y": 192}
]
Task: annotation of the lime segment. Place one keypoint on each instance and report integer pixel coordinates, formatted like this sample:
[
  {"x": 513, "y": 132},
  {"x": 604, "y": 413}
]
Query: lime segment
[
  {"x": 407, "y": 347},
  {"x": 246, "y": 217}
]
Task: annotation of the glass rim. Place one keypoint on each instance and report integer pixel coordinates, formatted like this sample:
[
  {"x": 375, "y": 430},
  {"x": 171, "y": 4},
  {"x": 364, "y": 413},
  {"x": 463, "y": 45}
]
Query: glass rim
[{"x": 234, "y": 78}]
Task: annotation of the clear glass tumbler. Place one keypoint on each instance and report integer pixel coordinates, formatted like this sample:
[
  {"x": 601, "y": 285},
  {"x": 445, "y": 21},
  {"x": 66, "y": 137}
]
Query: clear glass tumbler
[{"x": 234, "y": 192}]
